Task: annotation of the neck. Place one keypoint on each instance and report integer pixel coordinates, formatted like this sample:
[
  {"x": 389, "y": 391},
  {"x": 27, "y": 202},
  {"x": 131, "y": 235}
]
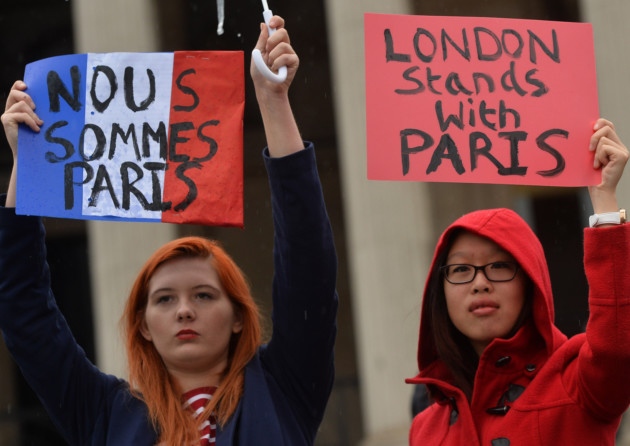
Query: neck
[{"x": 188, "y": 381}]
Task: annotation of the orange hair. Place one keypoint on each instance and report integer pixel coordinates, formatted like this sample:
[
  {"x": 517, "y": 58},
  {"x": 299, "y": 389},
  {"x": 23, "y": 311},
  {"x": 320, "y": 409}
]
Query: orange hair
[{"x": 148, "y": 376}]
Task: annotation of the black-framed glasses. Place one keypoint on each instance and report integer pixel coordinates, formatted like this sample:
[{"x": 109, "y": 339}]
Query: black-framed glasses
[{"x": 459, "y": 273}]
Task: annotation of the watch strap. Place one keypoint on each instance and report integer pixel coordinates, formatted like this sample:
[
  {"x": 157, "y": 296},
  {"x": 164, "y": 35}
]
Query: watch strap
[{"x": 607, "y": 218}]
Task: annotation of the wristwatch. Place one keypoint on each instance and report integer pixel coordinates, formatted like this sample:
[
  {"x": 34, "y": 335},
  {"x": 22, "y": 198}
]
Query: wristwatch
[{"x": 607, "y": 218}]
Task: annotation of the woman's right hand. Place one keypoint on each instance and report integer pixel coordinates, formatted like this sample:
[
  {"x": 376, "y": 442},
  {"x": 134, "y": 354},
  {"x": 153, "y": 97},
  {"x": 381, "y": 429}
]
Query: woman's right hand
[{"x": 19, "y": 109}]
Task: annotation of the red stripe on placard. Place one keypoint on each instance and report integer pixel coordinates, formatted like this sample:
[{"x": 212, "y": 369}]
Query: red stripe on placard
[{"x": 204, "y": 179}]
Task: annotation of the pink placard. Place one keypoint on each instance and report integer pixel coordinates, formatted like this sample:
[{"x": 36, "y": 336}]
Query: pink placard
[{"x": 480, "y": 100}]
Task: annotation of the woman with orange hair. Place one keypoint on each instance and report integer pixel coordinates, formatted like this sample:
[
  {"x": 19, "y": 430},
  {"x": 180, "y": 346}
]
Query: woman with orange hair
[{"x": 198, "y": 373}]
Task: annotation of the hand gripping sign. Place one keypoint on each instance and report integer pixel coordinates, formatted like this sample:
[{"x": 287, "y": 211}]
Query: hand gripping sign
[
  {"x": 480, "y": 100},
  {"x": 136, "y": 136}
]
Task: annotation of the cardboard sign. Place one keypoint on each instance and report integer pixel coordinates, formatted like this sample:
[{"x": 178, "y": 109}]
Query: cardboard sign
[
  {"x": 135, "y": 136},
  {"x": 480, "y": 100}
]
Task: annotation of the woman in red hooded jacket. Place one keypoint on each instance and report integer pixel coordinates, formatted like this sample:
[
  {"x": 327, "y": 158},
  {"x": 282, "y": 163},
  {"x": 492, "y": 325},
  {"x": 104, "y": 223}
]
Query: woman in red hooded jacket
[{"x": 498, "y": 370}]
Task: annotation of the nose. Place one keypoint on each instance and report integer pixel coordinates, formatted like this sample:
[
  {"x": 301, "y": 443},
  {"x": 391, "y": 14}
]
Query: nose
[
  {"x": 480, "y": 282},
  {"x": 185, "y": 311}
]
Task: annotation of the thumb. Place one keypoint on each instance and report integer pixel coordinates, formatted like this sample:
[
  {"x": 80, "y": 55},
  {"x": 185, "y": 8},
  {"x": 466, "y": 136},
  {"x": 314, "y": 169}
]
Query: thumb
[{"x": 262, "y": 38}]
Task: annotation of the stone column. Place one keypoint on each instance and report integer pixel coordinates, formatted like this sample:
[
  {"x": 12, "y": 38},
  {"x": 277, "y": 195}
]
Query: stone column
[
  {"x": 117, "y": 250},
  {"x": 610, "y": 24},
  {"x": 388, "y": 238},
  {"x": 114, "y": 25}
]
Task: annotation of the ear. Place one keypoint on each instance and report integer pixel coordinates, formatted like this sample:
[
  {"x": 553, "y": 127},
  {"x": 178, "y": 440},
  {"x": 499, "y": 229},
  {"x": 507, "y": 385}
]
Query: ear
[
  {"x": 144, "y": 330},
  {"x": 237, "y": 326}
]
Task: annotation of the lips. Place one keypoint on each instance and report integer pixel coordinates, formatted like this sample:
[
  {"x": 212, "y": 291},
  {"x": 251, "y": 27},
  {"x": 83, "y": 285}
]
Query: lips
[
  {"x": 483, "y": 307},
  {"x": 186, "y": 334}
]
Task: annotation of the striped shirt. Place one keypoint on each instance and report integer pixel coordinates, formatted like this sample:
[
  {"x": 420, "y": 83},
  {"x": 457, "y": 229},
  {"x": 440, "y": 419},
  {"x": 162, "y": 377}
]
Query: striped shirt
[{"x": 197, "y": 400}]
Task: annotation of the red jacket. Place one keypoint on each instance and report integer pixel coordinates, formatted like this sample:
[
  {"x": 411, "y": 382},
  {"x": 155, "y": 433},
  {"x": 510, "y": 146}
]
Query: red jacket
[{"x": 575, "y": 390}]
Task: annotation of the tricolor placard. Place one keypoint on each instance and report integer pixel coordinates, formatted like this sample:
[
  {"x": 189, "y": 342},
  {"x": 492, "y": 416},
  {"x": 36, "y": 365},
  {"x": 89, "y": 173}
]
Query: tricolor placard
[{"x": 136, "y": 136}]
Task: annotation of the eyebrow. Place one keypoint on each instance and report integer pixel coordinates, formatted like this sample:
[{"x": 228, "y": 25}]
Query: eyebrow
[
  {"x": 495, "y": 252},
  {"x": 196, "y": 287}
]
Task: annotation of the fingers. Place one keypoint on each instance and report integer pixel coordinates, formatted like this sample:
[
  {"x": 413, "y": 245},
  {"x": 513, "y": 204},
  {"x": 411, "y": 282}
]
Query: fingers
[
  {"x": 611, "y": 155},
  {"x": 17, "y": 95},
  {"x": 266, "y": 41},
  {"x": 22, "y": 113},
  {"x": 262, "y": 37},
  {"x": 276, "y": 22},
  {"x": 606, "y": 143},
  {"x": 603, "y": 128},
  {"x": 283, "y": 55},
  {"x": 19, "y": 109},
  {"x": 276, "y": 51},
  {"x": 280, "y": 34}
]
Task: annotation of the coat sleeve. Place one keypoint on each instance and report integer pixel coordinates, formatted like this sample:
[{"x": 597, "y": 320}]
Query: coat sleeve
[
  {"x": 604, "y": 359},
  {"x": 37, "y": 335},
  {"x": 300, "y": 353}
]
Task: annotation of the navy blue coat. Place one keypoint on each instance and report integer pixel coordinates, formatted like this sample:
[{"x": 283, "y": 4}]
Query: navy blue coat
[{"x": 287, "y": 383}]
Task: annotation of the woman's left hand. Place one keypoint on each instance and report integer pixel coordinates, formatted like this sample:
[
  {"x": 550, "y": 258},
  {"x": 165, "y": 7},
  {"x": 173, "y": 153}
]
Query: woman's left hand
[{"x": 611, "y": 156}]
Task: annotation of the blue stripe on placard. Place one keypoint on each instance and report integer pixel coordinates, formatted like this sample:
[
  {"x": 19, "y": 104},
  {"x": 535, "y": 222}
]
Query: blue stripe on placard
[{"x": 57, "y": 85}]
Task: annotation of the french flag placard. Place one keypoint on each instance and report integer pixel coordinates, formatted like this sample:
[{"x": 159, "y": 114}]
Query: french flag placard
[{"x": 135, "y": 137}]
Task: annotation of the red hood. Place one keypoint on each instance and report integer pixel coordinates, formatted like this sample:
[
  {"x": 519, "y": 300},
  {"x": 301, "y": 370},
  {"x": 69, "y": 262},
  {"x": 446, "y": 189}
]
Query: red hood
[{"x": 506, "y": 228}]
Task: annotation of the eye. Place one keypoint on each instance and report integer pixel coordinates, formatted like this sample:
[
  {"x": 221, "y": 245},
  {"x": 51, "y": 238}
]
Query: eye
[
  {"x": 204, "y": 296},
  {"x": 163, "y": 299},
  {"x": 459, "y": 269},
  {"x": 501, "y": 265}
]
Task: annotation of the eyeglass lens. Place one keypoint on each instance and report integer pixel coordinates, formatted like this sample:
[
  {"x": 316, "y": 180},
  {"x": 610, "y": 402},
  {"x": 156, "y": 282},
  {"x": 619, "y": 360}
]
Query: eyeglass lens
[{"x": 495, "y": 272}]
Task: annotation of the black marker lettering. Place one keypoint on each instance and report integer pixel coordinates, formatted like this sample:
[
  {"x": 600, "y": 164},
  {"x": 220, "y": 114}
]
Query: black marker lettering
[
  {"x": 67, "y": 145},
  {"x": 128, "y": 187},
  {"x": 99, "y": 105},
  {"x": 102, "y": 183},
  {"x": 68, "y": 180},
  {"x": 101, "y": 141},
  {"x": 129, "y": 93},
  {"x": 541, "y": 141},
  {"x": 406, "y": 150},
  {"x": 192, "y": 187},
  {"x": 446, "y": 149},
  {"x": 56, "y": 88},
  {"x": 390, "y": 54},
  {"x": 186, "y": 90}
]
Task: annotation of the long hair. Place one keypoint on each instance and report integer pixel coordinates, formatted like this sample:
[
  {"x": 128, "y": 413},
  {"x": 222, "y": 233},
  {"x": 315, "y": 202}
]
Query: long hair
[
  {"x": 148, "y": 377},
  {"x": 451, "y": 345}
]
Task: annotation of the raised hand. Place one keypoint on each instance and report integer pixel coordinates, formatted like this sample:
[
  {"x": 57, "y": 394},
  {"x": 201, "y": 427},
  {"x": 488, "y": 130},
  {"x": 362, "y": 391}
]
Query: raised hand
[{"x": 611, "y": 156}]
